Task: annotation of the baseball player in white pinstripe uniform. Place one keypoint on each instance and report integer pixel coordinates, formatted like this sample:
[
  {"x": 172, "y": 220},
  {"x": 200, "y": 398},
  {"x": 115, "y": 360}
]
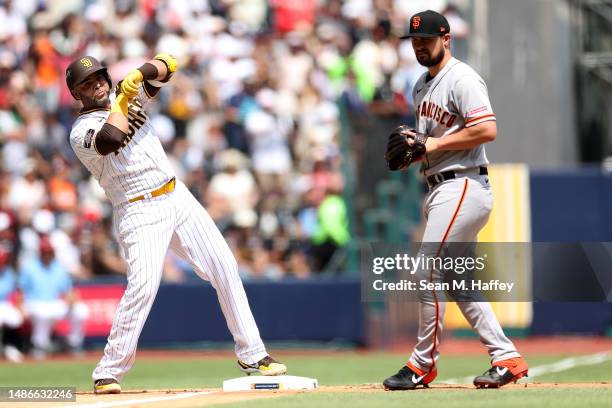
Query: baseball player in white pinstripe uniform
[
  {"x": 114, "y": 139},
  {"x": 454, "y": 121}
]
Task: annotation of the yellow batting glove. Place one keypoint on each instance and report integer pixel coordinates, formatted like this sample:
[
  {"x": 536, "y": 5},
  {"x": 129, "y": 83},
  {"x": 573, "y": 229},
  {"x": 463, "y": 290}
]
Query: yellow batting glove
[
  {"x": 120, "y": 105},
  {"x": 170, "y": 62},
  {"x": 129, "y": 85}
]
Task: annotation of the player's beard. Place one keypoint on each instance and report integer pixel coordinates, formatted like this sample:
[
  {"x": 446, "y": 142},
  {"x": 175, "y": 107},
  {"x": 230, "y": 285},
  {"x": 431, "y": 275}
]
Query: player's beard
[
  {"x": 102, "y": 102},
  {"x": 429, "y": 61}
]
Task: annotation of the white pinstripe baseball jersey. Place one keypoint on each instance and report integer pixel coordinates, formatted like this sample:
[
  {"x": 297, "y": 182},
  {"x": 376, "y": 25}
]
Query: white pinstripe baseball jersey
[
  {"x": 455, "y": 98},
  {"x": 146, "y": 228},
  {"x": 139, "y": 166}
]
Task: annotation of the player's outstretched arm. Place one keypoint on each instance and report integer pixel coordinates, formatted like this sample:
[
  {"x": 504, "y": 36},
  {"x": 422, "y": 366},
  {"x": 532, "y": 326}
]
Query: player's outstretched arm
[
  {"x": 466, "y": 138},
  {"x": 166, "y": 66},
  {"x": 114, "y": 132},
  {"x": 153, "y": 74}
]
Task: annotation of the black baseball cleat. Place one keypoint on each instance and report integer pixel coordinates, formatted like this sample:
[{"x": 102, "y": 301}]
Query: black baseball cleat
[
  {"x": 407, "y": 379},
  {"x": 497, "y": 376},
  {"x": 107, "y": 386}
]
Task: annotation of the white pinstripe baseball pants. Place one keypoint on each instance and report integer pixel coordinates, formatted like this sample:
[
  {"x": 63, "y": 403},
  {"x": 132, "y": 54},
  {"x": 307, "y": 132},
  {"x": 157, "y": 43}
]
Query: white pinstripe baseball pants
[{"x": 146, "y": 229}]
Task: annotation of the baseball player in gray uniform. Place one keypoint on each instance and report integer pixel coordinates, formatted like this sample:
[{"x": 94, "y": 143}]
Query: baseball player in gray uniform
[
  {"x": 454, "y": 120},
  {"x": 152, "y": 211}
]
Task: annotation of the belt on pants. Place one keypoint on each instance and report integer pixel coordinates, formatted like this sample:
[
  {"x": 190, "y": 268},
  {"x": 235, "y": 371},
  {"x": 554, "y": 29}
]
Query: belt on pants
[
  {"x": 165, "y": 189},
  {"x": 438, "y": 178}
]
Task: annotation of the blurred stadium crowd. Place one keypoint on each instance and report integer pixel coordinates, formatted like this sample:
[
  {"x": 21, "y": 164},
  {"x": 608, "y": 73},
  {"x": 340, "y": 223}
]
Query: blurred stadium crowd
[{"x": 251, "y": 123}]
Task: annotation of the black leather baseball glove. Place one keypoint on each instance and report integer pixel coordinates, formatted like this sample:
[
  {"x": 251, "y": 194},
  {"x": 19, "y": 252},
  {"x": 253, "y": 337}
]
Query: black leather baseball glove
[{"x": 404, "y": 147}]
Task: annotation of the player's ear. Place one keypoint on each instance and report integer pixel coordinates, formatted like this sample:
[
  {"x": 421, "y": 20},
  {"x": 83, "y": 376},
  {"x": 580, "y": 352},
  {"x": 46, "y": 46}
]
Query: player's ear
[{"x": 446, "y": 40}]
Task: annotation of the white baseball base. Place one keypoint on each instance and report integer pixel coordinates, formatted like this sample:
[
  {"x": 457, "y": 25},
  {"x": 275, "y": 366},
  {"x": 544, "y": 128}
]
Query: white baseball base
[{"x": 260, "y": 382}]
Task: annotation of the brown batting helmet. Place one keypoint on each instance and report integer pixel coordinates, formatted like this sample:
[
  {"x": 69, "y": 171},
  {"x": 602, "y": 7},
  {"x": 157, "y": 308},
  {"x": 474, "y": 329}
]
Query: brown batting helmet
[{"x": 81, "y": 68}]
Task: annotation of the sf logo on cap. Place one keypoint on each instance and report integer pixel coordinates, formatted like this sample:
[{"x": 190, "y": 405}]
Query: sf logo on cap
[
  {"x": 416, "y": 22},
  {"x": 86, "y": 62}
]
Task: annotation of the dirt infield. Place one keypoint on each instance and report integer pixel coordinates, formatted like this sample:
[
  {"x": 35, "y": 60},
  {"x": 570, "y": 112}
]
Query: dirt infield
[
  {"x": 158, "y": 399},
  {"x": 433, "y": 387},
  {"x": 204, "y": 397}
]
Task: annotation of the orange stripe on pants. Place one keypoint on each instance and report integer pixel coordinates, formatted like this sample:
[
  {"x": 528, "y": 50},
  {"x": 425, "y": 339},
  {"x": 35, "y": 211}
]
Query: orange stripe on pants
[{"x": 448, "y": 229}]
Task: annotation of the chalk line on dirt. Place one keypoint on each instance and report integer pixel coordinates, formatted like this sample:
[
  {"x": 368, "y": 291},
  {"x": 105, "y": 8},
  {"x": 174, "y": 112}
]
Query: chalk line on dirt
[
  {"x": 561, "y": 365},
  {"x": 111, "y": 404}
]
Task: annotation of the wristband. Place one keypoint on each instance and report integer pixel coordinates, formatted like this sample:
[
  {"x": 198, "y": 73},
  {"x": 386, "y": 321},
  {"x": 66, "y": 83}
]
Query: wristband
[{"x": 149, "y": 71}]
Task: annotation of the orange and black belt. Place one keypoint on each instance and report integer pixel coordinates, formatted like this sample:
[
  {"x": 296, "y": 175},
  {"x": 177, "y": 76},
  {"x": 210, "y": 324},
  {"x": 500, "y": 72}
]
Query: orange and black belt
[{"x": 165, "y": 189}]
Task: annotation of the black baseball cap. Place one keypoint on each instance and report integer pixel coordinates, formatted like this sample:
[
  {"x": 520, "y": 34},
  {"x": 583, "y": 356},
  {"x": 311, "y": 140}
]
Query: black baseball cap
[{"x": 428, "y": 24}]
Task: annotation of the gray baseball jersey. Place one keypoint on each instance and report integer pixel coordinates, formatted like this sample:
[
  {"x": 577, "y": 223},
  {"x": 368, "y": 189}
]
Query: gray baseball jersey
[
  {"x": 456, "y": 209},
  {"x": 455, "y": 98}
]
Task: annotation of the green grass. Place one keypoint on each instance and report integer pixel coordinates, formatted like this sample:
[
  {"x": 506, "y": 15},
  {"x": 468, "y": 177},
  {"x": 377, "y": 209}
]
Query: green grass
[
  {"x": 342, "y": 369},
  {"x": 536, "y": 398}
]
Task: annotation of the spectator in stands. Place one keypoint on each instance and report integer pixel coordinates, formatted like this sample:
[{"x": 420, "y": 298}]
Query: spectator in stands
[
  {"x": 44, "y": 224},
  {"x": 232, "y": 193},
  {"x": 263, "y": 265},
  {"x": 237, "y": 109},
  {"x": 332, "y": 230},
  {"x": 317, "y": 127},
  {"x": 8, "y": 233},
  {"x": 263, "y": 78},
  {"x": 48, "y": 297},
  {"x": 297, "y": 264},
  {"x": 295, "y": 64},
  {"x": 11, "y": 317},
  {"x": 62, "y": 191},
  {"x": 48, "y": 73},
  {"x": 269, "y": 137},
  {"x": 105, "y": 259},
  {"x": 13, "y": 26},
  {"x": 28, "y": 193},
  {"x": 293, "y": 15}
]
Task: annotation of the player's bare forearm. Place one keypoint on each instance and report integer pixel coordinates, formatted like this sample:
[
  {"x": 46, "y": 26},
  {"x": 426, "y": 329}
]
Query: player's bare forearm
[
  {"x": 162, "y": 70},
  {"x": 166, "y": 65},
  {"x": 119, "y": 121},
  {"x": 155, "y": 73},
  {"x": 466, "y": 138}
]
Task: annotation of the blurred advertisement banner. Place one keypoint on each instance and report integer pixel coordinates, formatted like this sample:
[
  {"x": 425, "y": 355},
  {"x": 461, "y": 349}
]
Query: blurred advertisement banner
[{"x": 101, "y": 300}]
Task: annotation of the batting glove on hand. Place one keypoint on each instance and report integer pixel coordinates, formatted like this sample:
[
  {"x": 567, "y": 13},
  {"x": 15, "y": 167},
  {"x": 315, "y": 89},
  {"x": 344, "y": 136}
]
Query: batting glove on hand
[
  {"x": 129, "y": 85},
  {"x": 120, "y": 105}
]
